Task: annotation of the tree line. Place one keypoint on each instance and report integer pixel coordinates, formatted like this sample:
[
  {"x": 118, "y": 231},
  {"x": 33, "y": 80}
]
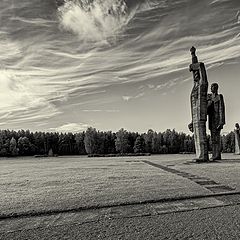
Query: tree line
[{"x": 92, "y": 141}]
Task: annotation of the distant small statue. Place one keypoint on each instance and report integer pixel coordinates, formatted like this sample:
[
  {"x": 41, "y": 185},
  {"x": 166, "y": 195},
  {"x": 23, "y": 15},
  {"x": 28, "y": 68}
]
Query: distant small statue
[
  {"x": 237, "y": 139},
  {"x": 50, "y": 153},
  {"x": 199, "y": 107},
  {"x": 216, "y": 114}
]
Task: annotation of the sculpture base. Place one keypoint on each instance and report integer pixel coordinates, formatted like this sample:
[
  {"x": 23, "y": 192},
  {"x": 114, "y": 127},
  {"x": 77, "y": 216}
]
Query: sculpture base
[
  {"x": 215, "y": 159},
  {"x": 197, "y": 160}
]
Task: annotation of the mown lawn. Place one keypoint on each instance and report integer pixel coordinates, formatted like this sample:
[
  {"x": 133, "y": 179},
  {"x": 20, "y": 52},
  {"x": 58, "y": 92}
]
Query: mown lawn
[{"x": 43, "y": 184}]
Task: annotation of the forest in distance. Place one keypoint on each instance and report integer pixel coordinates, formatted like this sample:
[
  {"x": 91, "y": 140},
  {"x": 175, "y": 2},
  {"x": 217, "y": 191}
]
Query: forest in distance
[{"x": 92, "y": 142}]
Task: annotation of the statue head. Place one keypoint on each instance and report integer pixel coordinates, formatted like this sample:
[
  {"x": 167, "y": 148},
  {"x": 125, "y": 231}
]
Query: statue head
[
  {"x": 193, "y": 50},
  {"x": 214, "y": 88},
  {"x": 237, "y": 126},
  {"x": 193, "y": 53}
]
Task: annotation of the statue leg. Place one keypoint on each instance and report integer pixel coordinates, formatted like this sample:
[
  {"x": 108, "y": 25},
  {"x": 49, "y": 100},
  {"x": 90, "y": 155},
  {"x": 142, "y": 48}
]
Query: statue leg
[
  {"x": 216, "y": 144},
  {"x": 219, "y": 148},
  {"x": 237, "y": 143},
  {"x": 200, "y": 138}
]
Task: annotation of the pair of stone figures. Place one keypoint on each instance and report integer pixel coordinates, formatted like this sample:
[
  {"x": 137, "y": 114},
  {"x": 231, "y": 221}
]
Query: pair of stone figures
[{"x": 203, "y": 105}]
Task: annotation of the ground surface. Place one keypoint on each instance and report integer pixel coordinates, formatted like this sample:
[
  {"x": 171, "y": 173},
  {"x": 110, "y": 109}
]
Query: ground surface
[{"x": 156, "y": 197}]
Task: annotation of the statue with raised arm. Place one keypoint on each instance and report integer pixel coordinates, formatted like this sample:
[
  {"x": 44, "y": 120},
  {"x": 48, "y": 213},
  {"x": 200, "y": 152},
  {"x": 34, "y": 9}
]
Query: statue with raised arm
[
  {"x": 216, "y": 118},
  {"x": 199, "y": 107},
  {"x": 237, "y": 139}
]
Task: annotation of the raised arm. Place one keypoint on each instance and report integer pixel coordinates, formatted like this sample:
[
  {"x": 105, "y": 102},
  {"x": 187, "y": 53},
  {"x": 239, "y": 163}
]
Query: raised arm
[{"x": 221, "y": 112}]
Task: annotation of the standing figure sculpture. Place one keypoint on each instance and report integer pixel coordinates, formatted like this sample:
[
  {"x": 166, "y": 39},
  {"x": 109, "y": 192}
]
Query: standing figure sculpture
[
  {"x": 199, "y": 107},
  {"x": 216, "y": 113},
  {"x": 237, "y": 139}
]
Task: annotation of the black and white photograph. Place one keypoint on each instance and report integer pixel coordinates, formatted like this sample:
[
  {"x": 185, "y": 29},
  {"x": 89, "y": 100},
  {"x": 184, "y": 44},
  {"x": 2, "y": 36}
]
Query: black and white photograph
[{"x": 119, "y": 119}]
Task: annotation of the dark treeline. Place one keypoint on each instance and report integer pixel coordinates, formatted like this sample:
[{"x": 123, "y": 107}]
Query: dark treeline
[{"x": 26, "y": 143}]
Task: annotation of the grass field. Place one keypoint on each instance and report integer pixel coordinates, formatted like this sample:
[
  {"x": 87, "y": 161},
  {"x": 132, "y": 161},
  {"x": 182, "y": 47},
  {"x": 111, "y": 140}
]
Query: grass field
[{"x": 41, "y": 184}]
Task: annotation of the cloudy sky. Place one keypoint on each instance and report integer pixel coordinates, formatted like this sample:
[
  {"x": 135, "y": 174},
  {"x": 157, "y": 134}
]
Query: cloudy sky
[{"x": 111, "y": 65}]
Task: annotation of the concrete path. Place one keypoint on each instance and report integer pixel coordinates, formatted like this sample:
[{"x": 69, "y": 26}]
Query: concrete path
[{"x": 213, "y": 223}]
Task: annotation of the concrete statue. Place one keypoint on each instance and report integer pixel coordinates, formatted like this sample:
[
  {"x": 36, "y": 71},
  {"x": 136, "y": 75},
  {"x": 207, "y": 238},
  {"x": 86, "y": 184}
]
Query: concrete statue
[
  {"x": 216, "y": 118},
  {"x": 237, "y": 139},
  {"x": 199, "y": 107}
]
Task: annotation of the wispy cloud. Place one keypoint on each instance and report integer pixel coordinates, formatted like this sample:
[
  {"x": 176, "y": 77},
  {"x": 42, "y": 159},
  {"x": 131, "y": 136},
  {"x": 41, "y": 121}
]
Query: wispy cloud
[
  {"x": 19, "y": 103},
  {"x": 238, "y": 17},
  {"x": 218, "y": 1},
  {"x": 92, "y": 110},
  {"x": 128, "y": 98},
  {"x": 151, "y": 86},
  {"x": 100, "y": 110},
  {"x": 70, "y": 127}
]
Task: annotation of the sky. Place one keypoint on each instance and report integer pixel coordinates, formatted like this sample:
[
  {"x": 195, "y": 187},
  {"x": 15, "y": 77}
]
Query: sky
[{"x": 68, "y": 68}]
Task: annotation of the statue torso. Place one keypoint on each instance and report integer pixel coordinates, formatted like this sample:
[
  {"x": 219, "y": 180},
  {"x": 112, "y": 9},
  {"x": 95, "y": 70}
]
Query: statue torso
[
  {"x": 215, "y": 112},
  {"x": 199, "y": 102}
]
